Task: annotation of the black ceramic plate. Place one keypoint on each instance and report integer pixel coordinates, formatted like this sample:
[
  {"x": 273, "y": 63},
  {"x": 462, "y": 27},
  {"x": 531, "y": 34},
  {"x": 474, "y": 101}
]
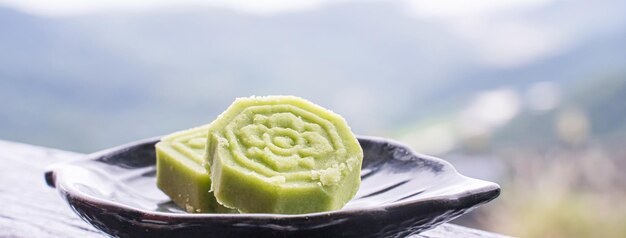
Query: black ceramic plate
[{"x": 402, "y": 193}]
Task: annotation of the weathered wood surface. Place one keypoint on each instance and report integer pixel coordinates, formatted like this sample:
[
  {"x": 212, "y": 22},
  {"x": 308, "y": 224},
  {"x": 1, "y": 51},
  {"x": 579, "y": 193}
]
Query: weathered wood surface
[{"x": 28, "y": 208}]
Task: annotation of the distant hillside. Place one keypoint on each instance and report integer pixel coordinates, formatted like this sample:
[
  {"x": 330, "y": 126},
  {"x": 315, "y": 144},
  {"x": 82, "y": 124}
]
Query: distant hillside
[
  {"x": 91, "y": 82},
  {"x": 601, "y": 102},
  {"x": 144, "y": 75}
]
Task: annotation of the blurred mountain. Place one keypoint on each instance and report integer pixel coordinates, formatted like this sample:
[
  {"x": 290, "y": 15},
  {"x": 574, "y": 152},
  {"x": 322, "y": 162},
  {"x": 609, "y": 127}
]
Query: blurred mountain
[
  {"x": 592, "y": 77},
  {"x": 592, "y": 111},
  {"x": 89, "y": 82}
]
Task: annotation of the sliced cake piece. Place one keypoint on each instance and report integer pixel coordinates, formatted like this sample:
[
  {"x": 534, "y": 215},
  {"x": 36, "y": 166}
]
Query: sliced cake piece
[{"x": 282, "y": 154}]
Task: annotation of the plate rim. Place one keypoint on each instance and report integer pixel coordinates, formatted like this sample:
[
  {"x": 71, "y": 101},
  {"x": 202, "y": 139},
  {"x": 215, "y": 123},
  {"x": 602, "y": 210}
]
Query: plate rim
[{"x": 55, "y": 171}]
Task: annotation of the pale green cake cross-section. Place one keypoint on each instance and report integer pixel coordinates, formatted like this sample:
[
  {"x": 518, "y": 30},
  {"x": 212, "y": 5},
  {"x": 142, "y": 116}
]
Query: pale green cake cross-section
[
  {"x": 282, "y": 154},
  {"x": 181, "y": 174}
]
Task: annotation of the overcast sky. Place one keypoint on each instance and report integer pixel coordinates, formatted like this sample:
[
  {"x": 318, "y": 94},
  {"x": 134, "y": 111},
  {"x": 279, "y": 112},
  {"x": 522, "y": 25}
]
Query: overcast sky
[
  {"x": 427, "y": 8},
  {"x": 501, "y": 32}
]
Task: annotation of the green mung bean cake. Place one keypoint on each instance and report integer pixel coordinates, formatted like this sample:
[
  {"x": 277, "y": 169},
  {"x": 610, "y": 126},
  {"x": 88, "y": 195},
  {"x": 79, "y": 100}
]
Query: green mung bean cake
[
  {"x": 282, "y": 154},
  {"x": 181, "y": 174}
]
